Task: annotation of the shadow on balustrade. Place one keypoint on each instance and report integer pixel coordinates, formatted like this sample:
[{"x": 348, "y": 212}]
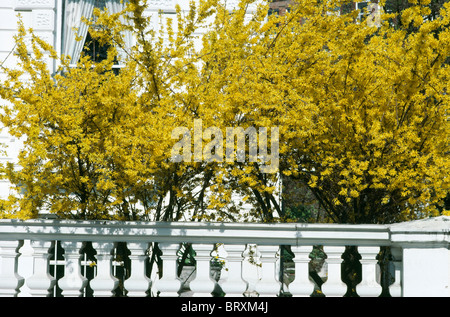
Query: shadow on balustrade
[
  {"x": 351, "y": 270},
  {"x": 121, "y": 267}
]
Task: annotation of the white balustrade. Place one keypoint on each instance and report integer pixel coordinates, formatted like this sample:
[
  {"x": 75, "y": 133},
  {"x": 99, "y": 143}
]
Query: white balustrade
[
  {"x": 369, "y": 286},
  {"x": 234, "y": 285},
  {"x": 334, "y": 286},
  {"x": 302, "y": 285},
  {"x": 395, "y": 289},
  {"x": 252, "y": 271},
  {"x": 138, "y": 283},
  {"x": 25, "y": 266},
  {"x": 202, "y": 285},
  {"x": 168, "y": 285},
  {"x": 420, "y": 261},
  {"x": 73, "y": 283},
  {"x": 104, "y": 283},
  {"x": 41, "y": 282},
  {"x": 268, "y": 285},
  {"x": 10, "y": 281}
]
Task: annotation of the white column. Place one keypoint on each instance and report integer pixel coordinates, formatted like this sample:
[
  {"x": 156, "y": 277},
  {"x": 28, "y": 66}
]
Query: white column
[
  {"x": 395, "y": 289},
  {"x": 73, "y": 283},
  {"x": 334, "y": 285},
  {"x": 10, "y": 280},
  {"x": 138, "y": 283},
  {"x": 302, "y": 285},
  {"x": 202, "y": 285},
  {"x": 269, "y": 284},
  {"x": 234, "y": 285},
  {"x": 41, "y": 282},
  {"x": 369, "y": 286},
  {"x": 168, "y": 285},
  {"x": 104, "y": 283}
]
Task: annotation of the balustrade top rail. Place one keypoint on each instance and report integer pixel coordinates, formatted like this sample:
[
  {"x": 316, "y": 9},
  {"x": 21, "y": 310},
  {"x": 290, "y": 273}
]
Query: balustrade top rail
[{"x": 433, "y": 230}]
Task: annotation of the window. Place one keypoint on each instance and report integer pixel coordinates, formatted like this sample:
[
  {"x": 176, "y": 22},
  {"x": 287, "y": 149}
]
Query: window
[
  {"x": 274, "y": 11},
  {"x": 76, "y": 38},
  {"x": 92, "y": 47},
  {"x": 362, "y": 7}
]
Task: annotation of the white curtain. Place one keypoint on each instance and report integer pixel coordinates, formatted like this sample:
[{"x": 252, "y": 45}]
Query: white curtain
[
  {"x": 115, "y": 6},
  {"x": 74, "y": 27}
]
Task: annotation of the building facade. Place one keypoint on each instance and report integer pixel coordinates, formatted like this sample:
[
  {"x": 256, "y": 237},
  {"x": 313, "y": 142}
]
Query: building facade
[{"x": 54, "y": 21}]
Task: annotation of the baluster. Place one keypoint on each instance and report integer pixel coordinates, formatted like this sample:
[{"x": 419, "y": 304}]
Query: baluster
[
  {"x": 138, "y": 283},
  {"x": 302, "y": 285},
  {"x": 234, "y": 285},
  {"x": 334, "y": 285},
  {"x": 153, "y": 250},
  {"x": 202, "y": 285},
  {"x": 369, "y": 285},
  {"x": 397, "y": 260},
  {"x": 10, "y": 280},
  {"x": 41, "y": 282},
  {"x": 104, "y": 283},
  {"x": 73, "y": 283},
  {"x": 168, "y": 284},
  {"x": 25, "y": 267},
  {"x": 251, "y": 269},
  {"x": 268, "y": 285}
]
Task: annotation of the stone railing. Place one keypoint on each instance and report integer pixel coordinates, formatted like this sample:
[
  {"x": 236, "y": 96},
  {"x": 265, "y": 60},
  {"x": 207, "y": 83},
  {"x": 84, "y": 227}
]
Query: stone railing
[{"x": 54, "y": 258}]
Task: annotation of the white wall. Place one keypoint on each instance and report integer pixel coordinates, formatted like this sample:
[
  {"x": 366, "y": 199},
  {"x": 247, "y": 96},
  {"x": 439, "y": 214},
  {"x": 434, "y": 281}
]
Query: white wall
[{"x": 419, "y": 272}]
